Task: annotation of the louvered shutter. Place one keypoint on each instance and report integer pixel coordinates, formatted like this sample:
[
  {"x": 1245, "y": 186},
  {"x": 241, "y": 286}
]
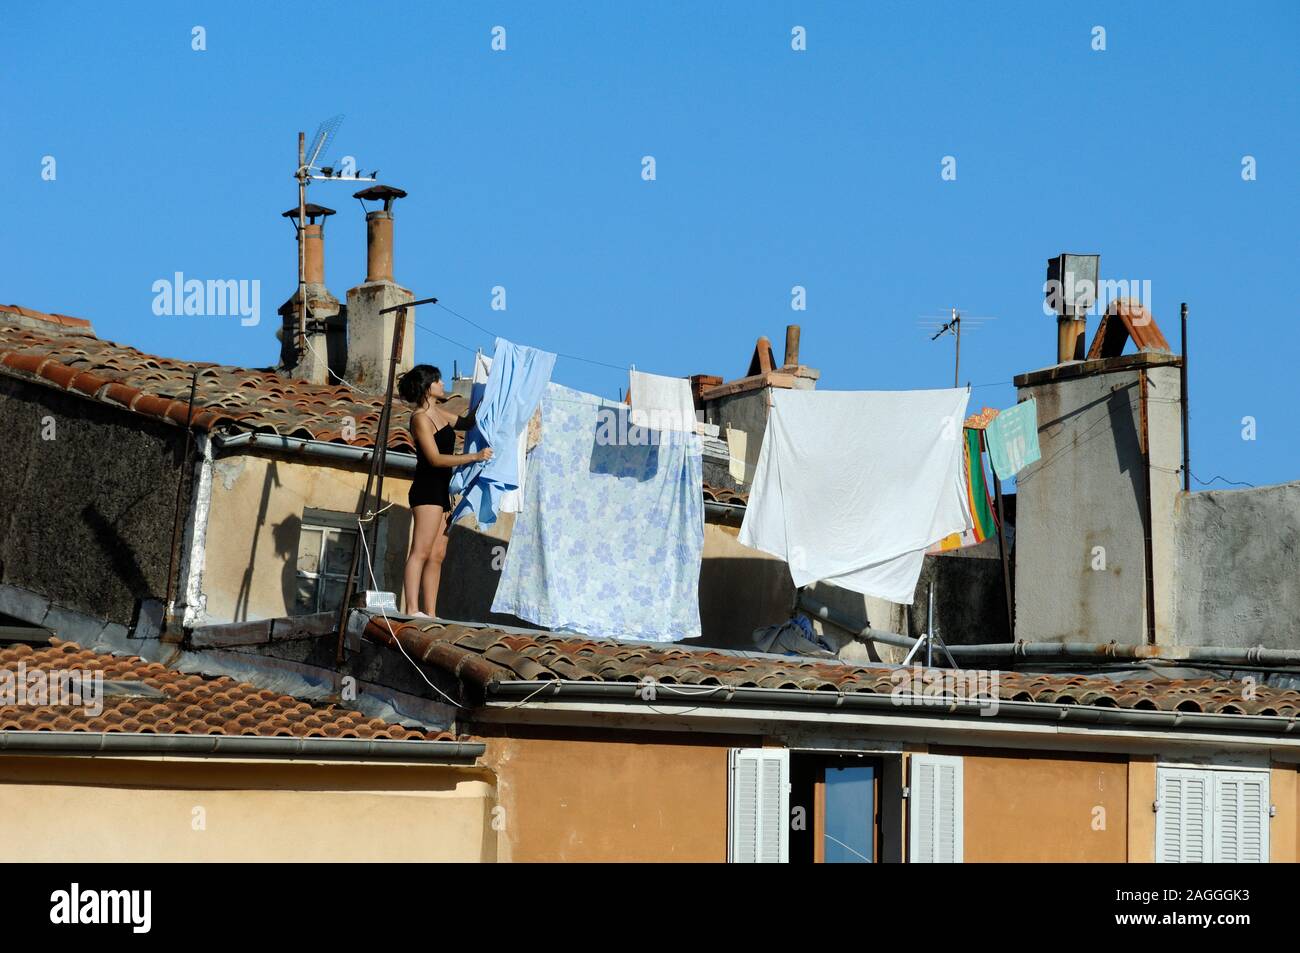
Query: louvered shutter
[
  {"x": 937, "y": 809},
  {"x": 1208, "y": 816},
  {"x": 759, "y": 809},
  {"x": 1240, "y": 817},
  {"x": 1183, "y": 832}
]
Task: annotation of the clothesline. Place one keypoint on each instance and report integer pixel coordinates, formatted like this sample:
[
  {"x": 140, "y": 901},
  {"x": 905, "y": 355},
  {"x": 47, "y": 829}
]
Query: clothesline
[{"x": 576, "y": 357}]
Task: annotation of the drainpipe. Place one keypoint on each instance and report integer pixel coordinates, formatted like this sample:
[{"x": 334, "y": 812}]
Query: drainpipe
[
  {"x": 1061, "y": 651},
  {"x": 393, "y": 460}
]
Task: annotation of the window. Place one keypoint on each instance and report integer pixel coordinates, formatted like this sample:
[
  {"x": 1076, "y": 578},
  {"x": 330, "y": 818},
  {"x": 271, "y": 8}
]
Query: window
[
  {"x": 1211, "y": 815},
  {"x": 807, "y": 806},
  {"x": 935, "y": 820},
  {"x": 758, "y": 815},
  {"x": 325, "y": 545}
]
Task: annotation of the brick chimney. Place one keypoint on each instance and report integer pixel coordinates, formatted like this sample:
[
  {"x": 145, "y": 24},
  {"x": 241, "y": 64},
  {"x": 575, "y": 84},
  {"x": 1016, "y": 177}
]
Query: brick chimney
[
  {"x": 325, "y": 329},
  {"x": 370, "y": 334}
]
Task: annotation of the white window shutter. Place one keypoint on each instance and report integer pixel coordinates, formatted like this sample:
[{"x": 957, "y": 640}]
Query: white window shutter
[
  {"x": 1241, "y": 817},
  {"x": 936, "y": 818},
  {"x": 759, "y": 808},
  {"x": 1183, "y": 831},
  {"x": 1209, "y": 816}
]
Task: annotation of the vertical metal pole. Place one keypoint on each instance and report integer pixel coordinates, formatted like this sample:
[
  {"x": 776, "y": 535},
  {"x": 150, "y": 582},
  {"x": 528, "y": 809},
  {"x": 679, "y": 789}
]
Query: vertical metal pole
[
  {"x": 956, "y": 371},
  {"x": 1002, "y": 543},
  {"x": 1182, "y": 387},
  {"x": 1147, "y": 529},
  {"x": 301, "y": 175},
  {"x": 929, "y": 636},
  {"x": 181, "y": 482},
  {"x": 377, "y": 462}
]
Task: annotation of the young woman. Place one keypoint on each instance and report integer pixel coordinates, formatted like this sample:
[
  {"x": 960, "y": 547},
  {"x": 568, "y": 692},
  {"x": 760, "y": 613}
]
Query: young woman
[{"x": 432, "y": 428}]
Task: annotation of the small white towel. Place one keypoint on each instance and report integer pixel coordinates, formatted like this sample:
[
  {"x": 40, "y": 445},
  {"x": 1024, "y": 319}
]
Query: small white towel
[{"x": 662, "y": 403}]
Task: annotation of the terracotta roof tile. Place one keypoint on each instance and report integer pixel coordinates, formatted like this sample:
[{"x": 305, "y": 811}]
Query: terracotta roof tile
[
  {"x": 176, "y": 703},
  {"x": 63, "y": 352},
  {"x": 484, "y": 656}
]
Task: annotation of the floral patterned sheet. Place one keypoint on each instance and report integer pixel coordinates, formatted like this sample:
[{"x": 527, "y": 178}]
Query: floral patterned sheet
[{"x": 610, "y": 537}]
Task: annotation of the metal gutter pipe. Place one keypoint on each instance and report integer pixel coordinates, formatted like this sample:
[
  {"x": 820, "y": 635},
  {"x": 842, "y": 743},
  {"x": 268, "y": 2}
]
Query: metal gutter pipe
[
  {"x": 697, "y": 696},
  {"x": 1091, "y": 651},
  {"x": 238, "y": 746},
  {"x": 393, "y": 460}
]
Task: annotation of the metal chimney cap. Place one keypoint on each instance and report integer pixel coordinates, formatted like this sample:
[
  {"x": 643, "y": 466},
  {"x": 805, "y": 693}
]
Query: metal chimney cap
[
  {"x": 313, "y": 211},
  {"x": 380, "y": 193}
]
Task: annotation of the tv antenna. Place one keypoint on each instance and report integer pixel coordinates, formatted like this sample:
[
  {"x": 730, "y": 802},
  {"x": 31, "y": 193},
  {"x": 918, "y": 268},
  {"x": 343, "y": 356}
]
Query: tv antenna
[
  {"x": 952, "y": 326},
  {"x": 307, "y": 170}
]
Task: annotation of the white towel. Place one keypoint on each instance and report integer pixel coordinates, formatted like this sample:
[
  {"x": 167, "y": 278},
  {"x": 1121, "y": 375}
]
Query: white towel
[
  {"x": 662, "y": 403},
  {"x": 852, "y": 487},
  {"x": 738, "y": 454}
]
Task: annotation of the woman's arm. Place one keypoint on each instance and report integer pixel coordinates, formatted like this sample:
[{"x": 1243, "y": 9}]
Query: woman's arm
[{"x": 429, "y": 447}]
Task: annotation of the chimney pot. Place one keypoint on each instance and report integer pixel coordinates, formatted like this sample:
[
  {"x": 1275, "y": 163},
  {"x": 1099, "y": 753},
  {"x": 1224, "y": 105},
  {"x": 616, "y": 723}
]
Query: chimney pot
[{"x": 792, "y": 345}]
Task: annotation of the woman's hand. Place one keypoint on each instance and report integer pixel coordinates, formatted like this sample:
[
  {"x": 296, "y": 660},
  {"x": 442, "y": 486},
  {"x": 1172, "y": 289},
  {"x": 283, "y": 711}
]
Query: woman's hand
[{"x": 484, "y": 455}]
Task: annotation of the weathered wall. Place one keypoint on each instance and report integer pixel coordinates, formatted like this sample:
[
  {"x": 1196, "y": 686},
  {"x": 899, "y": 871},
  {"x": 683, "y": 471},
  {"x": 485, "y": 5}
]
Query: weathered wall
[
  {"x": 1084, "y": 500},
  {"x": 1238, "y": 567},
  {"x": 601, "y": 796},
  {"x": 84, "y": 809},
  {"x": 254, "y": 524},
  {"x": 85, "y": 518},
  {"x": 1029, "y": 808}
]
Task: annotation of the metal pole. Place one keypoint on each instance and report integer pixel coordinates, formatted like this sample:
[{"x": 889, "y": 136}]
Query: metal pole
[
  {"x": 1002, "y": 543},
  {"x": 956, "y": 371},
  {"x": 1147, "y": 529},
  {"x": 301, "y": 175},
  {"x": 1182, "y": 386},
  {"x": 176, "y": 519}
]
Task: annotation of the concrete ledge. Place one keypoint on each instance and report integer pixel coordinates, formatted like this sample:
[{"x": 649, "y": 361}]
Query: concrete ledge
[{"x": 1105, "y": 365}]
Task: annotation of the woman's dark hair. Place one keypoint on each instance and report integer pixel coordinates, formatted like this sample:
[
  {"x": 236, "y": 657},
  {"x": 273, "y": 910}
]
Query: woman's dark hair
[{"x": 415, "y": 382}]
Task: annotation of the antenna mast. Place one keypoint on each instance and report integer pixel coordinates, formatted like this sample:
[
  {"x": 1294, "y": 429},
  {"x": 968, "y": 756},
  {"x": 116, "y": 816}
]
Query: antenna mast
[
  {"x": 955, "y": 327},
  {"x": 304, "y": 174}
]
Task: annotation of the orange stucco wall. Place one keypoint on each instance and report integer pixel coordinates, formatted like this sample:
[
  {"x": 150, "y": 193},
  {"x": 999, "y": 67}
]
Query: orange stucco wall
[
  {"x": 593, "y": 796},
  {"x": 1027, "y": 807}
]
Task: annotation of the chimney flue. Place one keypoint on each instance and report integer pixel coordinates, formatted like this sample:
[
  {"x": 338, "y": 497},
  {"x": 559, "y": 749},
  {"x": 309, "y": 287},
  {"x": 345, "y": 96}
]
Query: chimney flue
[
  {"x": 322, "y": 307},
  {"x": 792, "y": 345},
  {"x": 371, "y": 323},
  {"x": 379, "y": 232}
]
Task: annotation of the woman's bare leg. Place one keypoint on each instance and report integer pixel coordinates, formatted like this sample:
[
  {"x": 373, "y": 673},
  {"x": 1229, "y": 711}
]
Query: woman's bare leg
[
  {"x": 432, "y": 575},
  {"x": 425, "y": 523}
]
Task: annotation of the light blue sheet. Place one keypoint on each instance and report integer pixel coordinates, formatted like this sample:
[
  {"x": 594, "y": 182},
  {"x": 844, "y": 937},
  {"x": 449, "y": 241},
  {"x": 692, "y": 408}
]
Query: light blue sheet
[
  {"x": 611, "y": 533},
  {"x": 514, "y": 386}
]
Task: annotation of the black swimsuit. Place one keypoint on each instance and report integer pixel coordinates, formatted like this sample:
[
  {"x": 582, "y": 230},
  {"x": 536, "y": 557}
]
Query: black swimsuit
[{"x": 431, "y": 483}]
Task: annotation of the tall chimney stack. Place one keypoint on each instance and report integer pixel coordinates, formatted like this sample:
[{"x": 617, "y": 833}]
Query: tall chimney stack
[
  {"x": 324, "y": 326},
  {"x": 370, "y": 333}
]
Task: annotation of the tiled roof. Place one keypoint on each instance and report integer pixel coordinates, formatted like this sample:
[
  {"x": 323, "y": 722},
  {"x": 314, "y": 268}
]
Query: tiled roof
[
  {"x": 720, "y": 494},
  {"x": 149, "y": 698},
  {"x": 63, "y": 351},
  {"x": 484, "y": 656}
]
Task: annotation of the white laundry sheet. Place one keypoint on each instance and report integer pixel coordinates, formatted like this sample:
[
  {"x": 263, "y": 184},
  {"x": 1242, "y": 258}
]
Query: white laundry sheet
[
  {"x": 852, "y": 487},
  {"x": 512, "y": 501},
  {"x": 662, "y": 403}
]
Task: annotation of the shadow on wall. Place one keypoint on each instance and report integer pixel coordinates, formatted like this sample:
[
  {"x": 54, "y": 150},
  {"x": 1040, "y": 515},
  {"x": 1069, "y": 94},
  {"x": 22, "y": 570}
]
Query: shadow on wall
[
  {"x": 469, "y": 578},
  {"x": 245, "y": 596},
  {"x": 737, "y": 595}
]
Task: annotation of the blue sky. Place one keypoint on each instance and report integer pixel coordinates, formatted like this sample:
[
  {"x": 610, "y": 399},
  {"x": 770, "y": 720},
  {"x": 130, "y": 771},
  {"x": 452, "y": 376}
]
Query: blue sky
[{"x": 774, "y": 168}]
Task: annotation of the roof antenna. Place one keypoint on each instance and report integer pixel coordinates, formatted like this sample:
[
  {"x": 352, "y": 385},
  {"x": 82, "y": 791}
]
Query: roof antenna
[{"x": 307, "y": 171}]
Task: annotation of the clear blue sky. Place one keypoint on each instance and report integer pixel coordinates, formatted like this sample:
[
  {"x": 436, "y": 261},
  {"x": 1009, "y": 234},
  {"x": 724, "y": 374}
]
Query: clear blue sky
[{"x": 775, "y": 168}]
